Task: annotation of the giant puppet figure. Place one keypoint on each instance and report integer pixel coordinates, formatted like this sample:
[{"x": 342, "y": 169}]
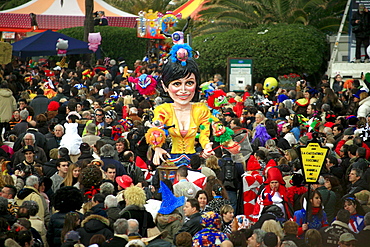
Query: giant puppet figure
[{"x": 184, "y": 117}]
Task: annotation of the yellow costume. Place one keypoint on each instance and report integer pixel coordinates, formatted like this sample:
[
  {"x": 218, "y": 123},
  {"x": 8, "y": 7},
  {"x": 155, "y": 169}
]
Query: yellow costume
[{"x": 200, "y": 115}]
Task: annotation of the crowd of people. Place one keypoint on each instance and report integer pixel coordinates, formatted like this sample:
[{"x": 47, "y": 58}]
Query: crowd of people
[{"x": 79, "y": 170}]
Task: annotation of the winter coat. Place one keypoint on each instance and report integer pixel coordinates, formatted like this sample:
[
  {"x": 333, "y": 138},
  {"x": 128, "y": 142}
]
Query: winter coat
[
  {"x": 113, "y": 215},
  {"x": 363, "y": 237},
  {"x": 364, "y": 108},
  {"x": 7, "y": 105},
  {"x": 361, "y": 29},
  {"x": 192, "y": 226},
  {"x": 40, "y": 104},
  {"x": 134, "y": 172},
  {"x": 29, "y": 193},
  {"x": 116, "y": 241},
  {"x": 354, "y": 188},
  {"x": 94, "y": 224},
  {"x": 55, "y": 227},
  {"x": 330, "y": 234},
  {"x": 315, "y": 223},
  {"x": 137, "y": 213},
  {"x": 120, "y": 169},
  {"x": 171, "y": 223},
  {"x": 329, "y": 200}
]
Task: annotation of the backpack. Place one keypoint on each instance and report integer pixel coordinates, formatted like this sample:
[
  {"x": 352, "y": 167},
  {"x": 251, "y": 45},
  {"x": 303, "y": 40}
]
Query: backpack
[{"x": 229, "y": 174}]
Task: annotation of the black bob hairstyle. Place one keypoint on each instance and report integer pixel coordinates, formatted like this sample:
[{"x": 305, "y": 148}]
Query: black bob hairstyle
[{"x": 174, "y": 70}]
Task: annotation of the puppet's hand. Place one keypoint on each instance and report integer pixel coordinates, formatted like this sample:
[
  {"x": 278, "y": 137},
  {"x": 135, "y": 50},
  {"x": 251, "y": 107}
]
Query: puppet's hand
[
  {"x": 208, "y": 150},
  {"x": 160, "y": 155}
]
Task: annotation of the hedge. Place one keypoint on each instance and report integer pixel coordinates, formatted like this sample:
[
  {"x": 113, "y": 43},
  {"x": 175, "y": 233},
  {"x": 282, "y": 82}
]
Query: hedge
[
  {"x": 116, "y": 42},
  {"x": 283, "y": 49}
]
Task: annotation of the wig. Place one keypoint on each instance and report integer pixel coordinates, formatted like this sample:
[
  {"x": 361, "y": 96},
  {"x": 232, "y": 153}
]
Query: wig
[
  {"x": 68, "y": 199},
  {"x": 135, "y": 196}
]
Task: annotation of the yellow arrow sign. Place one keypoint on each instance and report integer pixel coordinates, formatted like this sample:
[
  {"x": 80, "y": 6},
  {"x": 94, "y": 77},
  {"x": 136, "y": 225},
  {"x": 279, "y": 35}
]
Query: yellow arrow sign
[{"x": 313, "y": 158}]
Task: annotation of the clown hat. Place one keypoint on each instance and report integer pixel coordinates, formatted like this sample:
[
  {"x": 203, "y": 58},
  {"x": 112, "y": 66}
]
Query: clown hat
[
  {"x": 253, "y": 164},
  {"x": 271, "y": 163},
  {"x": 169, "y": 201},
  {"x": 274, "y": 174}
]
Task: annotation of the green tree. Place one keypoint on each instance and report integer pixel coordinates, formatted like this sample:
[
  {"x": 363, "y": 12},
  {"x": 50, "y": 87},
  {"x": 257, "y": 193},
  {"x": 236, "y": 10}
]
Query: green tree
[
  {"x": 282, "y": 49},
  {"x": 116, "y": 42},
  {"x": 223, "y": 15}
]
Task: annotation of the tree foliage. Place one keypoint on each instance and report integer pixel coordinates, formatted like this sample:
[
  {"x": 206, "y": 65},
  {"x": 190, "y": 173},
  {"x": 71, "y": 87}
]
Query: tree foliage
[
  {"x": 275, "y": 49},
  {"x": 116, "y": 42},
  {"x": 5, "y": 4},
  {"x": 223, "y": 15}
]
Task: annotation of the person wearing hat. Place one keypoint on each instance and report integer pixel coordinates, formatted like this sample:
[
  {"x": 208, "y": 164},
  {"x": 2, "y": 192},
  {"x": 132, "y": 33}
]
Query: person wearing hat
[
  {"x": 86, "y": 153},
  {"x": 135, "y": 199},
  {"x": 124, "y": 182},
  {"x": 252, "y": 180},
  {"x": 347, "y": 239},
  {"x": 211, "y": 234},
  {"x": 156, "y": 238},
  {"x": 273, "y": 193},
  {"x": 71, "y": 238},
  {"x": 90, "y": 136}
]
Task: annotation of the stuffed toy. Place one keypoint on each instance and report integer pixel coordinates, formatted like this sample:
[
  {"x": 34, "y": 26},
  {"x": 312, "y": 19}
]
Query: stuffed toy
[
  {"x": 62, "y": 46},
  {"x": 145, "y": 84},
  {"x": 216, "y": 99},
  {"x": 223, "y": 135},
  {"x": 269, "y": 85},
  {"x": 94, "y": 41}
]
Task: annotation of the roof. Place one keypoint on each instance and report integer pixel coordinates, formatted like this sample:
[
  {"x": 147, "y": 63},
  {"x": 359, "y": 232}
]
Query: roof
[{"x": 51, "y": 15}]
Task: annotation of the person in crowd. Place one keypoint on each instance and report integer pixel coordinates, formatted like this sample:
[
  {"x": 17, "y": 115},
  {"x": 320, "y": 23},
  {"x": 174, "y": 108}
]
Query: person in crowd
[
  {"x": 356, "y": 221},
  {"x": 363, "y": 236},
  {"x": 257, "y": 238},
  {"x": 184, "y": 187},
  {"x": 58, "y": 178},
  {"x": 218, "y": 200},
  {"x": 328, "y": 198},
  {"x": 227, "y": 216},
  {"x": 330, "y": 234},
  {"x": 202, "y": 198},
  {"x": 135, "y": 199},
  {"x": 316, "y": 216},
  {"x": 360, "y": 26}
]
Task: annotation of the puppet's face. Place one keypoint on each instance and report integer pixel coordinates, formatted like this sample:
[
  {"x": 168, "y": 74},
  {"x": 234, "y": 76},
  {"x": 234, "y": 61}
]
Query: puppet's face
[
  {"x": 218, "y": 128},
  {"x": 270, "y": 85},
  {"x": 182, "y": 90},
  {"x": 144, "y": 81}
]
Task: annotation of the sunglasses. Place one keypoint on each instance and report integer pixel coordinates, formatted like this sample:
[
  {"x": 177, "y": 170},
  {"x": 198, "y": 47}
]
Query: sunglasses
[{"x": 99, "y": 114}]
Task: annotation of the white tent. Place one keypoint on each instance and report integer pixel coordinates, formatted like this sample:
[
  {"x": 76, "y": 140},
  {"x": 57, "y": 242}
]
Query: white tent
[{"x": 51, "y": 15}]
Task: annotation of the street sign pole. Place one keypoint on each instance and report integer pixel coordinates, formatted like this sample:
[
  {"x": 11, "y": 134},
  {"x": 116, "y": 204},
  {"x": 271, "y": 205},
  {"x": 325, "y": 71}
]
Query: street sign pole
[{"x": 313, "y": 157}]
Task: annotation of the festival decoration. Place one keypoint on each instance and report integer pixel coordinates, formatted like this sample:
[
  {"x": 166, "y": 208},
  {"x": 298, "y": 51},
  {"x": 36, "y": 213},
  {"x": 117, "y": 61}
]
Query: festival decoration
[
  {"x": 61, "y": 47},
  {"x": 145, "y": 84},
  {"x": 216, "y": 99},
  {"x": 94, "y": 41},
  {"x": 269, "y": 85},
  {"x": 223, "y": 135}
]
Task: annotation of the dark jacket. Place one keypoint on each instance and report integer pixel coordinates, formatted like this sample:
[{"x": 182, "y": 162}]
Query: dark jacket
[
  {"x": 361, "y": 29},
  {"x": 114, "y": 242},
  {"x": 50, "y": 168},
  {"x": 94, "y": 224},
  {"x": 55, "y": 227},
  {"x": 159, "y": 243},
  {"x": 134, "y": 172},
  {"x": 40, "y": 104},
  {"x": 328, "y": 201},
  {"x": 40, "y": 139},
  {"x": 330, "y": 234},
  {"x": 363, "y": 237},
  {"x": 192, "y": 226},
  {"x": 98, "y": 210},
  {"x": 113, "y": 215},
  {"x": 40, "y": 156},
  {"x": 356, "y": 187},
  {"x": 137, "y": 213},
  {"x": 120, "y": 169},
  {"x": 291, "y": 237}
]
